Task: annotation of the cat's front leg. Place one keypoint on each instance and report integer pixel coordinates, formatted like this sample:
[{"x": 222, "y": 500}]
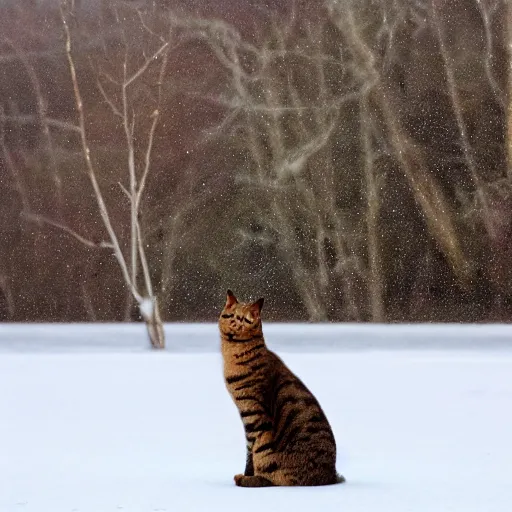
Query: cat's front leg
[
  {"x": 249, "y": 467},
  {"x": 257, "y": 432},
  {"x": 252, "y": 481}
]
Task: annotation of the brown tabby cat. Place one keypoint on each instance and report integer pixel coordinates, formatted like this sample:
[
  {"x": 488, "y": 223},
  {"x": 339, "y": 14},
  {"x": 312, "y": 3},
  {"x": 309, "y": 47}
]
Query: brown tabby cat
[{"x": 289, "y": 440}]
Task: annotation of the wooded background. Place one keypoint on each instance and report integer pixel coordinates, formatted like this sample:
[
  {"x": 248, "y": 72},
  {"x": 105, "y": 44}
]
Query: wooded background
[{"x": 349, "y": 160}]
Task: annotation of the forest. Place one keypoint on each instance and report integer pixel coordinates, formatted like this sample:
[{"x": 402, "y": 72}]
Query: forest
[{"x": 349, "y": 160}]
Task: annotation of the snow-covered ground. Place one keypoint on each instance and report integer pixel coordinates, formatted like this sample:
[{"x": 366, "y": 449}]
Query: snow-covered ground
[{"x": 92, "y": 421}]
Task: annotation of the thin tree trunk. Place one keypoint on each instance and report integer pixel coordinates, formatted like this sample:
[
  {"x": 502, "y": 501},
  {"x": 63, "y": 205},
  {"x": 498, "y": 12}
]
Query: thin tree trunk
[
  {"x": 375, "y": 279},
  {"x": 150, "y": 312}
]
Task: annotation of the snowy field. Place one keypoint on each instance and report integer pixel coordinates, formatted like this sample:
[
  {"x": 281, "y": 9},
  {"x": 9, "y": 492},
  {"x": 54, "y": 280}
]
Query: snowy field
[{"x": 92, "y": 421}]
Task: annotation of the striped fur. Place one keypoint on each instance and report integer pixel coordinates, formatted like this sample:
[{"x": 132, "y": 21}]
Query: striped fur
[{"x": 289, "y": 440}]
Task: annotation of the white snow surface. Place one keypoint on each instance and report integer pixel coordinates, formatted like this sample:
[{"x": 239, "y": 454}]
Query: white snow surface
[{"x": 91, "y": 420}]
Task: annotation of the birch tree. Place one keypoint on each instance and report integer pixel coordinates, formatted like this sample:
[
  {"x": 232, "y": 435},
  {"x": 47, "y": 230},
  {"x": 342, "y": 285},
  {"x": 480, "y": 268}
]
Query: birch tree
[
  {"x": 139, "y": 74},
  {"x": 122, "y": 105}
]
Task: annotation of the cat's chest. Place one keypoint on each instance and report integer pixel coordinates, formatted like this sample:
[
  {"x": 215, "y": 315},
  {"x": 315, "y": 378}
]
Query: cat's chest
[{"x": 244, "y": 380}]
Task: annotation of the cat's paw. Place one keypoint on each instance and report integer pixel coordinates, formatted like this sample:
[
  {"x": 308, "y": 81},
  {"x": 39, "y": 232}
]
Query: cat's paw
[{"x": 238, "y": 479}]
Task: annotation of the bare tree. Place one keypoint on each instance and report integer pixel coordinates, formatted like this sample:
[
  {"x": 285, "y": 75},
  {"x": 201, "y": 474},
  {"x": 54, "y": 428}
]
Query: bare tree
[
  {"x": 146, "y": 300},
  {"x": 353, "y": 153},
  {"x": 429, "y": 195},
  {"x": 120, "y": 90},
  {"x": 287, "y": 127},
  {"x": 481, "y": 196}
]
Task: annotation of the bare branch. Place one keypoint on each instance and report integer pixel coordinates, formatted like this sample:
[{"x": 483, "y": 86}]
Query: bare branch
[
  {"x": 110, "y": 78},
  {"x": 41, "y": 219},
  {"x": 109, "y": 101},
  {"x": 429, "y": 196},
  {"x": 41, "y": 110},
  {"x": 143, "y": 68},
  {"x": 147, "y": 28},
  {"x": 144, "y": 261},
  {"x": 154, "y": 123},
  {"x": 498, "y": 92},
  {"x": 128, "y": 130},
  {"x": 457, "y": 109},
  {"x": 90, "y": 168},
  {"x": 53, "y": 123},
  {"x": 125, "y": 191},
  {"x": 11, "y": 165}
]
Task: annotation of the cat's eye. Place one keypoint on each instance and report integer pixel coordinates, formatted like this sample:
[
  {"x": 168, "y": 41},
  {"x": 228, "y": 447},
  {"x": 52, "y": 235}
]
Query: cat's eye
[{"x": 227, "y": 315}]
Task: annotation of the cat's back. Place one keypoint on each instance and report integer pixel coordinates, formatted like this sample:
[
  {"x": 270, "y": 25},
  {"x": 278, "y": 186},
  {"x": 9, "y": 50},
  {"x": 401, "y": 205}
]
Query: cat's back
[
  {"x": 302, "y": 434},
  {"x": 295, "y": 407}
]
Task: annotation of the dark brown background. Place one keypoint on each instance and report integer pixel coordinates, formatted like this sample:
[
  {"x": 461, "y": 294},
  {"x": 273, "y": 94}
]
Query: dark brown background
[{"x": 347, "y": 161}]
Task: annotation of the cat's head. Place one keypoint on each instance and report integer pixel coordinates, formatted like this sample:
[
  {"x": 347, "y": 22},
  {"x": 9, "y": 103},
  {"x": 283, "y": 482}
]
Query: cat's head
[{"x": 240, "y": 321}]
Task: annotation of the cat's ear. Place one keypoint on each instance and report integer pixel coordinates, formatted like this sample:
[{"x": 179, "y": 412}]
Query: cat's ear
[
  {"x": 256, "y": 307},
  {"x": 230, "y": 299}
]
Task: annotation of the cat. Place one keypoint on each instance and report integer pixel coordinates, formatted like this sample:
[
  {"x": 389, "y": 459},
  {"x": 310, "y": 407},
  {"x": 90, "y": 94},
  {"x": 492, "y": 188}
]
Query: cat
[{"x": 289, "y": 440}]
